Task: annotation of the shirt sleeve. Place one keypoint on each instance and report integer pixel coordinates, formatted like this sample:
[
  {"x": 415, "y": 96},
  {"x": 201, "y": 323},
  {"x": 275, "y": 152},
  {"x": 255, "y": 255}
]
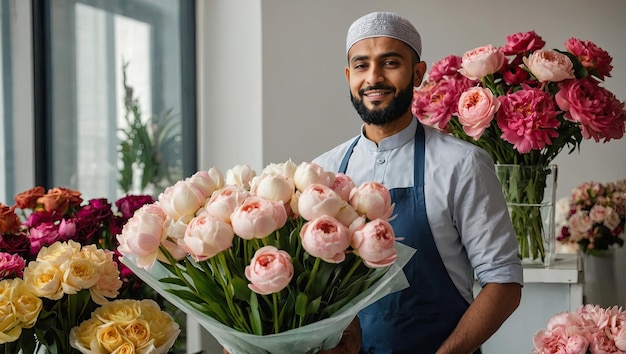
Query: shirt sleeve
[{"x": 483, "y": 221}]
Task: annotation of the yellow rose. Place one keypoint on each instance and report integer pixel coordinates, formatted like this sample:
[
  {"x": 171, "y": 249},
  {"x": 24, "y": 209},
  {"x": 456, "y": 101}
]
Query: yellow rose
[
  {"x": 57, "y": 253},
  {"x": 126, "y": 348},
  {"x": 163, "y": 328},
  {"x": 120, "y": 311},
  {"x": 44, "y": 279},
  {"x": 93, "y": 253},
  {"x": 10, "y": 328},
  {"x": 138, "y": 333},
  {"x": 27, "y": 305},
  {"x": 110, "y": 336},
  {"x": 78, "y": 274},
  {"x": 83, "y": 337}
]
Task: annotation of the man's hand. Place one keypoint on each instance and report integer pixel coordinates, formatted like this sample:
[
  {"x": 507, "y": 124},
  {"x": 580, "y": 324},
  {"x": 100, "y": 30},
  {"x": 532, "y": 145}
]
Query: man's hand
[{"x": 350, "y": 340}]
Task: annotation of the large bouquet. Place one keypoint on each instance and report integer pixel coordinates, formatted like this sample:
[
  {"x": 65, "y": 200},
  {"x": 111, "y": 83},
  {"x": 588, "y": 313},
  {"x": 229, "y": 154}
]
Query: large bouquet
[
  {"x": 276, "y": 262},
  {"x": 588, "y": 330},
  {"x": 523, "y": 104},
  {"x": 595, "y": 217},
  {"x": 58, "y": 263}
]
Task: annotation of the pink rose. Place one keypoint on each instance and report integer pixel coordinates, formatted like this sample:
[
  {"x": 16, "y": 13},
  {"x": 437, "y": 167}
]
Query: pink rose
[
  {"x": 549, "y": 65},
  {"x": 448, "y": 66},
  {"x": 434, "y": 103},
  {"x": 207, "y": 236},
  {"x": 310, "y": 173},
  {"x": 522, "y": 42},
  {"x": 258, "y": 217},
  {"x": 373, "y": 200},
  {"x": 513, "y": 74},
  {"x": 182, "y": 199},
  {"x": 597, "y": 110},
  {"x": 374, "y": 243},
  {"x": 612, "y": 221},
  {"x": 142, "y": 235},
  {"x": 270, "y": 270},
  {"x": 11, "y": 266},
  {"x": 591, "y": 56},
  {"x": 477, "y": 108},
  {"x": 42, "y": 235},
  {"x": 580, "y": 224},
  {"x": 224, "y": 201},
  {"x": 482, "y": 61},
  {"x": 598, "y": 213},
  {"x": 318, "y": 200},
  {"x": 325, "y": 237},
  {"x": 527, "y": 119},
  {"x": 343, "y": 185},
  {"x": 273, "y": 187}
]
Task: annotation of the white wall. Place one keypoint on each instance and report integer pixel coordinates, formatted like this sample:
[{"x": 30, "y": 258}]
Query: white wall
[{"x": 303, "y": 93}]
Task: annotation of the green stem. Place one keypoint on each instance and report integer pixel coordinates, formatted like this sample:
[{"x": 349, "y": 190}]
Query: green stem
[
  {"x": 312, "y": 276},
  {"x": 276, "y": 323},
  {"x": 354, "y": 267}
]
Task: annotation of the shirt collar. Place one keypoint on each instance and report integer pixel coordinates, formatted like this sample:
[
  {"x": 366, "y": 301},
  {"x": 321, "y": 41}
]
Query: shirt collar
[{"x": 391, "y": 142}]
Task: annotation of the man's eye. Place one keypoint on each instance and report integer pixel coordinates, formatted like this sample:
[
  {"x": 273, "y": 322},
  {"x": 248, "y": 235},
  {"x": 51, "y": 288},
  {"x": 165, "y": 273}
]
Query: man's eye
[
  {"x": 391, "y": 63},
  {"x": 360, "y": 66}
]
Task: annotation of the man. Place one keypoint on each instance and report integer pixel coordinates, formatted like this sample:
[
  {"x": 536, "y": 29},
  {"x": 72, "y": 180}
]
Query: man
[{"x": 449, "y": 206}]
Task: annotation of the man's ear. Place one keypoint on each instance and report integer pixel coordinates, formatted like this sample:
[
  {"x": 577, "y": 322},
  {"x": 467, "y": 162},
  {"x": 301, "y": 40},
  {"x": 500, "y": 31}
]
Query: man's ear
[
  {"x": 419, "y": 69},
  {"x": 348, "y": 74}
]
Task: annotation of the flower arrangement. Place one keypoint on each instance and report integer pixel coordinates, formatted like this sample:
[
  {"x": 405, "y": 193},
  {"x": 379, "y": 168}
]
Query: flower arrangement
[
  {"x": 523, "y": 104},
  {"x": 126, "y": 326},
  {"x": 63, "y": 251},
  {"x": 276, "y": 262},
  {"x": 595, "y": 217},
  {"x": 588, "y": 330}
]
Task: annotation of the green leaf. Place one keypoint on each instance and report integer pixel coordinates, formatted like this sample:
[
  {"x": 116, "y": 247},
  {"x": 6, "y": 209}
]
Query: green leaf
[
  {"x": 255, "y": 318},
  {"x": 301, "y": 304},
  {"x": 241, "y": 289}
]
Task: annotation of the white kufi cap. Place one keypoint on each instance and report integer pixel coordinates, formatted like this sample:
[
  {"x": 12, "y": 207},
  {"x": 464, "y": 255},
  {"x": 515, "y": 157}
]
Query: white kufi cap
[{"x": 384, "y": 24}]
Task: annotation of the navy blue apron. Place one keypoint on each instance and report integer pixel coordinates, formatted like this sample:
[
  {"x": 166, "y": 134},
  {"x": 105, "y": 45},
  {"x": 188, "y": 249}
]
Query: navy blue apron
[{"x": 419, "y": 318}]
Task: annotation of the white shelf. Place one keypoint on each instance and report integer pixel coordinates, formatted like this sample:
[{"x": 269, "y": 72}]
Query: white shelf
[{"x": 565, "y": 269}]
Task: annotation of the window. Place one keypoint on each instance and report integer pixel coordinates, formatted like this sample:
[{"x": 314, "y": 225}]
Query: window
[{"x": 116, "y": 72}]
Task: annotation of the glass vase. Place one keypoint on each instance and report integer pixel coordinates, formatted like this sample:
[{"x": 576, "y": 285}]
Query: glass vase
[{"x": 530, "y": 193}]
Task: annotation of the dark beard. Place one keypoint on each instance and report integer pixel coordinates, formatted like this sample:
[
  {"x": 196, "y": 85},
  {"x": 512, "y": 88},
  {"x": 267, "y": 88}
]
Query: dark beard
[{"x": 398, "y": 106}]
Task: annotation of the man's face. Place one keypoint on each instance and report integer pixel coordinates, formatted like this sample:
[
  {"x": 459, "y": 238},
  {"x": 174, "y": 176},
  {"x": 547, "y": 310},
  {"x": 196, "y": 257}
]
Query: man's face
[{"x": 381, "y": 75}]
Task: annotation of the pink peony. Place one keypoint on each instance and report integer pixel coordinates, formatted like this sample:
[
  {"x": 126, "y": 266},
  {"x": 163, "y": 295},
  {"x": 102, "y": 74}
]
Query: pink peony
[
  {"x": 374, "y": 243},
  {"x": 477, "y": 108},
  {"x": 207, "y": 236},
  {"x": 270, "y": 270},
  {"x": 224, "y": 201},
  {"x": 597, "y": 110},
  {"x": 373, "y": 200},
  {"x": 435, "y": 103},
  {"x": 591, "y": 56},
  {"x": 549, "y": 65},
  {"x": 343, "y": 185},
  {"x": 258, "y": 217},
  {"x": 482, "y": 61},
  {"x": 522, "y": 42},
  {"x": 527, "y": 119},
  {"x": 318, "y": 200},
  {"x": 142, "y": 235},
  {"x": 325, "y": 237},
  {"x": 182, "y": 199},
  {"x": 448, "y": 66}
]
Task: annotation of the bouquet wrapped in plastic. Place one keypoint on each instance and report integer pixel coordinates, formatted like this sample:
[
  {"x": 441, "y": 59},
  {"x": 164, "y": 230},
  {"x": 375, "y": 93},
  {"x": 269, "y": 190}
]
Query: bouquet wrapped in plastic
[{"x": 277, "y": 262}]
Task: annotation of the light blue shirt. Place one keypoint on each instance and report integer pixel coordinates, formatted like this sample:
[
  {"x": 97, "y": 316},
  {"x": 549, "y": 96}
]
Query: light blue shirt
[{"x": 466, "y": 210}]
